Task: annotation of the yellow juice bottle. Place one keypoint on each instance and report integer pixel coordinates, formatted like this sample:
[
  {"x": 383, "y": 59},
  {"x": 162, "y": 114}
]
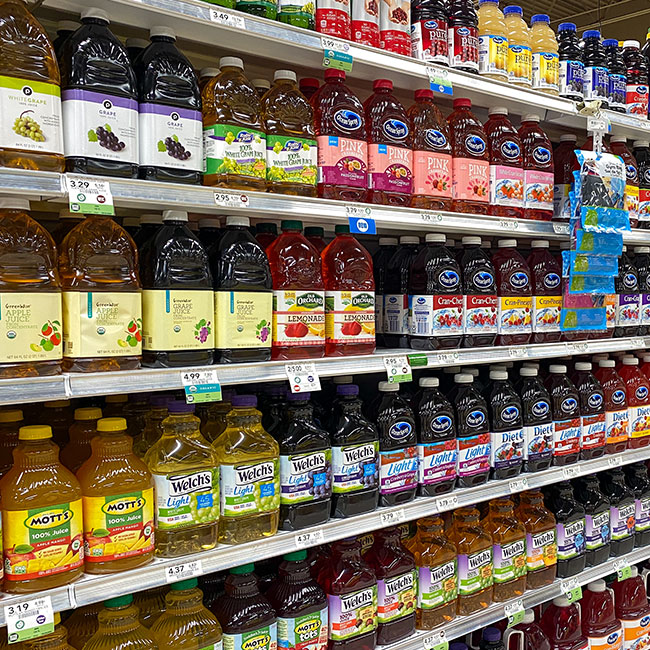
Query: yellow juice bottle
[
  {"x": 520, "y": 64},
  {"x": 82, "y": 624},
  {"x": 546, "y": 61},
  {"x": 249, "y": 465},
  {"x": 118, "y": 502},
  {"x": 41, "y": 516},
  {"x": 10, "y": 422},
  {"x": 151, "y": 604},
  {"x": 82, "y": 431},
  {"x": 114, "y": 405},
  {"x": 214, "y": 423},
  {"x": 55, "y": 640},
  {"x": 186, "y": 474},
  {"x": 492, "y": 41},
  {"x": 153, "y": 425}
]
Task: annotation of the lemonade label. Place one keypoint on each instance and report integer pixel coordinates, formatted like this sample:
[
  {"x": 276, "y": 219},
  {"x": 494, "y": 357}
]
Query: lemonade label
[
  {"x": 102, "y": 324},
  {"x": 30, "y": 327},
  {"x": 355, "y": 467},
  {"x": 520, "y": 64},
  {"x": 437, "y": 460},
  {"x": 617, "y": 425},
  {"x": 639, "y": 420},
  {"x": 474, "y": 571},
  {"x": 243, "y": 319},
  {"x": 509, "y": 561},
  {"x": 350, "y": 317},
  {"x": 597, "y": 530},
  {"x": 118, "y": 526},
  {"x": 471, "y": 176},
  {"x": 391, "y": 167},
  {"x": 622, "y": 521},
  {"x": 42, "y": 541},
  {"x": 291, "y": 160},
  {"x": 234, "y": 150},
  {"x": 507, "y": 183},
  {"x": 396, "y": 597},
  {"x": 431, "y": 170},
  {"x": 186, "y": 499},
  {"x": 493, "y": 55},
  {"x": 264, "y": 638},
  {"x": 353, "y": 614},
  {"x": 343, "y": 161},
  {"x": 437, "y": 585},
  {"x": 514, "y": 314},
  {"x": 546, "y": 313},
  {"x": 546, "y": 71},
  {"x": 305, "y": 476},
  {"x": 398, "y": 469},
  {"x": 570, "y": 539},
  {"x": 541, "y": 550},
  {"x": 642, "y": 514},
  {"x": 299, "y": 317},
  {"x": 250, "y": 488},
  {"x": 177, "y": 320},
  {"x": 308, "y": 632}
]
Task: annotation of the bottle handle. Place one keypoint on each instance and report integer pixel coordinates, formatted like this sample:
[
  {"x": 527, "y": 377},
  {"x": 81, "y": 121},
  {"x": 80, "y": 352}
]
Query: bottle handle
[{"x": 516, "y": 634}]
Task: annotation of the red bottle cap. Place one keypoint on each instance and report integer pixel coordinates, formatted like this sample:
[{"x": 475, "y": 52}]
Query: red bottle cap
[
  {"x": 423, "y": 93},
  {"x": 310, "y": 82},
  {"x": 333, "y": 73},
  {"x": 462, "y": 102},
  {"x": 382, "y": 83}
]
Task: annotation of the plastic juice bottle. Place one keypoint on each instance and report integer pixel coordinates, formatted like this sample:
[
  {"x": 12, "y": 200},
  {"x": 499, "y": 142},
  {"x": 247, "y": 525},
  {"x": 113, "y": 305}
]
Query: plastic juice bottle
[
  {"x": 114, "y": 405},
  {"x": 152, "y": 430},
  {"x": 617, "y": 75},
  {"x": 209, "y": 232},
  {"x": 597, "y": 518},
  {"x": 380, "y": 259},
  {"x": 215, "y": 423},
  {"x": 39, "y": 493},
  {"x": 541, "y": 544},
  {"x": 333, "y": 18},
  {"x": 492, "y": 41},
  {"x": 340, "y": 124},
  {"x": 599, "y": 622},
  {"x": 315, "y": 235},
  {"x": 627, "y": 295},
  {"x": 272, "y": 403},
  {"x": 463, "y": 36},
  {"x": 470, "y": 160},
  {"x": 572, "y": 69},
  {"x": 151, "y": 605},
  {"x": 135, "y": 46},
  {"x": 636, "y": 478},
  {"x": 30, "y": 295},
  {"x": 149, "y": 224},
  {"x": 642, "y": 262},
  {"x": 519, "y": 52},
  {"x": 546, "y": 63},
  {"x": 623, "y": 510},
  {"x": 593, "y": 433},
  {"x": 474, "y": 546},
  {"x": 596, "y": 71},
  {"x": 82, "y": 431},
  {"x": 431, "y": 153},
  {"x": 265, "y": 234},
  {"x": 308, "y": 86},
  {"x": 55, "y": 640},
  {"x": 632, "y": 609},
  {"x": 561, "y": 624},
  {"x": 547, "y": 293},
  {"x": 537, "y": 420},
  {"x": 67, "y": 221},
  {"x": 249, "y": 460},
  {"x": 506, "y": 162},
  {"x": 349, "y": 296},
  {"x": 429, "y": 25},
  {"x": 617, "y": 422},
  {"x": 567, "y": 423},
  {"x": 527, "y": 635},
  {"x": 394, "y": 27},
  {"x": 514, "y": 291},
  {"x": 261, "y": 85},
  {"x": 298, "y": 296},
  {"x": 637, "y": 389},
  {"x": 233, "y": 130},
  {"x": 365, "y": 19},
  {"x": 538, "y": 170},
  {"x": 10, "y": 422},
  {"x": 59, "y": 415},
  {"x": 619, "y": 148},
  {"x": 82, "y": 624},
  {"x": 642, "y": 157},
  {"x": 636, "y": 89},
  {"x": 63, "y": 29},
  {"x": 563, "y": 160},
  {"x": 491, "y": 639}
]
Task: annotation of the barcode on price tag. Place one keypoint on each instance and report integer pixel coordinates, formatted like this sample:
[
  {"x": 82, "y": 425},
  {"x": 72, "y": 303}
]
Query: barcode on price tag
[
  {"x": 302, "y": 377},
  {"x": 436, "y": 641},
  {"x": 446, "y": 503},
  {"x": 570, "y": 472},
  {"x": 201, "y": 386},
  {"x": 508, "y": 224},
  {"x": 572, "y": 589},
  {"x": 518, "y": 485},
  {"x": 392, "y": 517},
  {"x": 398, "y": 369},
  {"x": 88, "y": 195},
  {"x": 29, "y": 619},
  {"x": 227, "y": 19},
  {"x": 230, "y": 200},
  {"x": 184, "y": 571},
  {"x": 514, "y": 612},
  {"x": 310, "y": 538}
]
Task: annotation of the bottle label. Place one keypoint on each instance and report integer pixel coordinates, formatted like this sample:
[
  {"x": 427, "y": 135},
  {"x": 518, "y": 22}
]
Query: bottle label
[
  {"x": 507, "y": 448},
  {"x": 639, "y": 421},
  {"x": 617, "y": 426},
  {"x": 355, "y": 467},
  {"x": 627, "y": 310},
  {"x": 298, "y": 317},
  {"x": 300, "y": 9},
  {"x": 30, "y": 326},
  {"x": 597, "y": 530},
  {"x": 437, "y": 585},
  {"x": 566, "y": 436},
  {"x": 395, "y": 28},
  {"x": 439, "y": 315},
  {"x": 610, "y": 310},
  {"x": 333, "y": 19},
  {"x": 561, "y": 201},
  {"x": 539, "y": 187},
  {"x": 645, "y": 309},
  {"x": 514, "y": 315},
  {"x": 507, "y": 185},
  {"x": 541, "y": 550},
  {"x": 102, "y": 324},
  {"x": 509, "y": 561},
  {"x": 429, "y": 41},
  {"x": 593, "y": 432},
  {"x": 471, "y": 177},
  {"x": 546, "y": 313},
  {"x": 343, "y": 161},
  {"x": 570, "y": 539},
  {"x": 396, "y": 314},
  {"x": 234, "y": 150},
  {"x": 432, "y": 173},
  {"x": 305, "y": 477},
  {"x": 250, "y": 488},
  {"x": 520, "y": 64},
  {"x": 596, "y": 83},
  {"x": 642, "y": 514},
  {"x": 100, "y": 126},
  {"x": 437, "y": 462},
  {"x": 480, "y": 314},
  {"x": 264, "y": 638},
  {"x": 611, "y": 641},
  {"x": 350, "y": 317},
  {"x": 177, "y": 320},
  {"x": 463, "y": 47},
  {"x": 42, "y": 541},
  {"x": 474, "y": 572},
  {"x": 31, "y": 115},
  {"x": 636, "y": 99},
  {"x": 571, "y": 79},
  {"x": 493, "y": 55},
  {"x": 118, "y": 526},
  {"x": 473, "y": 455},
  {"x": 636, "y": 633},
  {"x": 398, "y": 470},
  {"x": 307, "y": 632},
  {"x": 365, "y": 23},
  {"x": 538, "y": 439},
  {"x": 353, "y": 615},
  {"x": 187, "y": 499},
  {"x": 290, "y": 160},
  {"x": 243, "y": 319},
  {"x": 617, "y": 91},
  {"x": 390, "y": 167},
  {"x": 396, "y": 597},
  {"x": 622, "y": 519},
  {"x": 632, "y": 200},
  {"x": 546, "y": 70},
  {"x": 379, "y": 313}
]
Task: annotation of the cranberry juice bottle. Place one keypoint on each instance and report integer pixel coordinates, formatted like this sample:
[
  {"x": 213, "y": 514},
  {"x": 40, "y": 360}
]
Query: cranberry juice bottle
[
  {"x": 619, "y": 148},
  {"x": 632, "y": 609},
  {"x": 566, "y": 416},
  {"x": 538, "y": 421},
  {"x": 636, "y": 88},
  {"x": 538, "y": 170},
  {"x": 463, "y": 36},
  {"x": 561, "y": 624},
  {"x": 642, "y": 263},
  {"x": 547, "y": 293},
  {"x": 642, "y": 157},
  {"x": 599, "y": 622},
  {"x": 617, "y": 419},
  {"x": 563, "y": 162},
  {"x": 429, "y": 25},
  {"x": 592, "y": 412}
]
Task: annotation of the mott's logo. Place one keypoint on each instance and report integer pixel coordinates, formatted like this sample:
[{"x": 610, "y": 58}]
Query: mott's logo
[
  {"x": 483, "y": 280},
  {"x": 540, "y": 409},
  {"x": 308, "y": 629},
  {"x": 395, "y": 129},
  {"x": 541, "y": 155},
  {"x": 347, "y": 120},
  {"x": 363, "y": 301},
  {"x": 245, "y": 474},
  {"x": 256, "y": 642},
  {"x": 473, "y": 143},
  {"x": 355, "y": 455},
  {"x": 310, "y": 300},
  {"x": 302, "y": 464},
  {"x": 441, "y": 424},
  {"x": 48, "y": 519},
  {"x": 551, "y": 280},
  {"x": 510, "y": 150},
  {"x": 519, "y": 280},
  {"x": 199, "y": 482},
  {"x": 479, "y": 559},
  {"x": 123, "y": 506},
  {"x": 449, "y": 279},
  {"x": 475, "y": 419},
  {"x": 434, "y": 138}
]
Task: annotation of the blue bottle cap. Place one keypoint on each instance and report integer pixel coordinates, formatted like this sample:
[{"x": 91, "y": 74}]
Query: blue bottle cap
[
  {"x": 513, "y": 9},
  {"x": 610, "y": 42},
  {"x": 566, "y": 27},
  {"x": 591, "y": 33},
  {"x": 540, "y": 18}
]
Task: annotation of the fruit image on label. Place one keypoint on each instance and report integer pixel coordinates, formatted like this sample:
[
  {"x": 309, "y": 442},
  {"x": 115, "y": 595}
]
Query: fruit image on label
[
  {"x": 538, "y": 440},
  {"x": 307, "y": 632},
  {"x": 541, "y": 550},
  {"x": 432, "y": 172},
  {"x": 519, "y": 64},
  {"x": 249, "y": 489},
  {"x": 437, "y": 585},
  {"x": 264, "y": 638},
  {"x": 290, "y": 160},
  {"x": 571, "y": 539},
  {"x": 353, "y": 614},
  {"x": 231, "y": 149},
  {"x": 514, "y": 315},
  {"x": 350, "y": 316},
  {"x": 243, "y": 319},
  {"x": 546, "y": 313},
  {"x": 343, "y": 161},
  {"x": 566, "y": 437},
  {"x": 509, "y": 561},
  {"x": 396, "y": 596},
  {"x": 399, "y": 470},
  {"x": 639, "y": 421},
  {"x": 471, "y": 178},
  {"x": 305, "y": 477},
  {"x": 391, "y": 168},
  {"x": 299, "y": 317}
]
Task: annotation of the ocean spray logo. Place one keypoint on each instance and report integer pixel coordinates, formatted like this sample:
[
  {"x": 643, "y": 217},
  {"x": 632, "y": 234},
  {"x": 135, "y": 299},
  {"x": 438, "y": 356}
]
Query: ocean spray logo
[
  {"x": 519, "y": 280},
  {"x": 569, "y": 405},
  {"x": 618, "y": 396},
  {"x": 395, "y": 129},
  {"x": 630, "y": 281},
  {"x": 463, "y": 31},
  {"x": 400, "y": 430},
  {"x": 347, "y": 120},
  {"x": 510, "y": 414},
  {"x": 441, "y": 424},
  {"x": 449, "y": 279},
  {"x": 510, "y": 150},
  {"x": 595, "y": 400},
  {"x": 541, "y": 155},
  {"x": 641, "y": 392},
  {"x": 475, "y": 144},
  {"x": 540, "y": 409},
  {"x": 551, "y": 280},
  {"x": 436, "y": 139},
  {"x": 483, "y": 279},
  {"x": 475, "y": 419}
]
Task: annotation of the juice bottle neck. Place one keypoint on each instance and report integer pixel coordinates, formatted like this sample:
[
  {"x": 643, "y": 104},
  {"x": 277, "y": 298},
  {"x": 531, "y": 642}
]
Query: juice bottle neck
[
  {"x": 243, "y": 416},
  {"x": 184, "y": 602},
  {"x": 112, "y": 444},
  {"x": 35, "y": 453},
  {"x": 242, "y": 585},
  {"x": 347, "y": 550},
  {"x": 294, "y": 573},
  {"x": 118, "y": 620}
]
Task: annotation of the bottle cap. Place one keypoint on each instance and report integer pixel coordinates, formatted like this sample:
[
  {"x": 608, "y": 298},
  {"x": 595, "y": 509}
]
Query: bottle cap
[
  {"x": 583, "y": 365},
  {"x": 498, "y": 366},
  {"x": 639, "y": 144},
  {"x": 388, "y": 387},
  {"x": 295, "y": 556},
  {"x": 314, "y": 231},
  {"x": 207, "y": 72},
  {"x": 57, "y": 404},
  {"x": 492, "y": 634},
  {"x": 347, "y": 389},
  {"x": 607, "y": 363},
  {"x": 298, "y": 397},
  {"x": 429, "y": 382},
  {"x": 13, "y": 203},
  {"x": 435, "y": 238},
  {"x": 247, "y": 401},
  {"x": 35, "y": 432},
  {"x": 67, "y": 26},
  {"x": 630, "y": 361},
  {"x": 151, "y": 219},
  {"x": 610, "y": 42},
  {"x": 138, "y": 43},
  {"x": 342, "y": 229},
  {"x": 388, "y": 241},
  {"x": 236, "y": 220},
  {"x": 88, "y": 413},
  {"x": 409, "y": 239},
  {"x": 632, "y": 43},
  {"x": 539, "y": 243},
  {"x": 531, "y": 364},
  {"x": 568, "y": 137},
  {"x": 120, "y": 601},
  {"x": 472, "y": 371},
  {"x": 530, "y": 117},
  {"x": 540, "y": 18},
  {"x": 462, "y": 102},
  {"x": 382, "y": 83},
  {"x": 309, "y": 82},
  {"x": 499, "y": 375},
  {"x": 634, "y": 571},
  {"x": 162, "y": 30},
  {"x": 291, "y": 224},
  {"x": 458, "y": 645},
  {"x": 423, "y": 93},
  {"x": 561, "y": 601},
  {"x": 116, "y": 399},
  {"x": 94, "y": 12},
  {"x": 513, "y": 9},
  {"x": 111, "y": 424},
  {"x": 261, "y": 83},
  {"x": 507, "y": 243},
  {"x": 174, "y": 215},
  {"x": 12, "y": 415},
  {"x": 243, "y": 569},
  {"x": 450, "y": 242},
  {"x": 285, "y": 74},
  {"x": 642, "y": 249},
  {"x": 209, "y": 223},
  {"x": 182, "y": 585},
  {"x": 618, "y": 138},
  {"x": 566, "y": 27},
  {"x": 591, "y": 33},
  {"x": 527, "y": 371},
  {"x": 231, "y": 62},
  {"x": 471, "y": 241},
  {"x": 342, "y": 379},
  {"x": 463, "y": 378},
  {"x": 597, "y": 585},
  {"x": 332, "y": 73},
  {"x": 529, "y": 616},
  {"x": 557, "y": 369},
  {"x": 179, "y": 406},
  {"x": 498, "y": 110}
]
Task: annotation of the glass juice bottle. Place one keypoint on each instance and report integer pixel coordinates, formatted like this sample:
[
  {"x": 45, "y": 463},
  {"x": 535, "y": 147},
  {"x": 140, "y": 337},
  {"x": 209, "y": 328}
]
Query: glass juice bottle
[{"x": 82, "y": 431}]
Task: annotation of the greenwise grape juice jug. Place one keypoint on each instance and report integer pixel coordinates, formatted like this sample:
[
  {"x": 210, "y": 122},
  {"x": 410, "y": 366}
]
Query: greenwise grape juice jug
[
  {"x": 617, "y": 420},
  {"x": 538, "y": 421},
  {"x": 547, "y": 293},
  {"x": 566, "y": 416},
  {"x": 597, "y": 518}
]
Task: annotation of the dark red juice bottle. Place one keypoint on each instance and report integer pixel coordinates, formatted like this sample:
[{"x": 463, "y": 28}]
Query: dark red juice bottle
[
  {"x": 561, "y": 624},
  {"x": 564, "y": 159},
  {"x": 538, "y": 421},
  {"x": 636, "y": 478},
  {"x": 566, "y": 416},
  {"x": 538, "y": 170},
  {"x": 387, "y": 248},
  {"x": 642, "y": 157},
  {"x": 429, "y": 24},
  {"x": 627, "y": 297},
  {"x": 642, "y": 262},
  {"x": 636, "y": 89},
  {"x": 622, "y": 510},
  {"x": 617, "y": 419},
  {"x": 547, "y": 293},
  {"x": 592, "y": 412},
  {"x": 599, "y": 622},
  {"x": 632, "y": 608},
  {"x": 463, "y": 36},
  {"x": 619, "y": 147}
]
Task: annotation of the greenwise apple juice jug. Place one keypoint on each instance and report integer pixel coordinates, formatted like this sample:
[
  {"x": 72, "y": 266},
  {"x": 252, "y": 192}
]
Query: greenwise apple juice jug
[
  {"x": 597, "y": 520},
  {"x": 100, "y": 101},
  {"x": 538, "y": 421}
]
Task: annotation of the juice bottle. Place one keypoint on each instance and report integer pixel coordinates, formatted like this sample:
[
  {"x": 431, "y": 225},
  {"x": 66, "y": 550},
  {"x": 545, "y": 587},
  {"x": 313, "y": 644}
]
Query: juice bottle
[
  {"x": 298, "y": 296},
  {"x": 151, "y": 605},
  {"x": 619, "y": 148},
  {"x": 572, "y": 68},
  {"x": 261, "y": 85},
  {"x": 597, "y": 518},
  {"x": 39, "y": 494},
  {"x": 527, "y": 635},
  {"x": 82, "y": 431},
  {"x": 30, "y": 292},
  {"x": 632, "y": 610},
  {"x": 561, "y": 624},
  {"x": 506, "y": 160},
  {"x": 567, "y": 424},
  {"x": 462, "y": 30},
  {"x": 249, "y": 460},
  {"x": 152, "y": 430},
  {"x": 11, "y": 421},
  {"x": 474, "y": 545},
  {"x": 596, "y": 72},
  {"x": 149, "y": 224},
  {"x": 491, "y": 639},
  {"x": 492, "y": 41},
  {"x": 170, "y": 127},
  {"x": 538, "y": 421},
  {"x": 627, "y": 295},
  {"x": 308, "y": 86},
  {"x": 380, "y": 259},
  {"x": 429, "y": 25},
  {"x": 637, "y": 389},
  {"x": 243, "y": 296},
  {"x": 592, "y": 410},
  {"x": 642, "y": 262},
  {"x": 390, "y": 142},
  {"x": 547, "y": 292},
  {"x": 617, "y": 421},
  {"x": 636, "y": 88},
  {"x": 394, "y": 27},
  {"x": 435, "y": 297},
  {"x": 67, "y": 221},
  {"x": 538, "y": 170},
  {"x": 333, "y": 18},
  {"x": 349, "y": 296},
  {"x": 541, "y": 544},
  {"x": 234, "y": 141},
  {"x": 316, "y": 237},
  {"x": 265, "y": 234},
  {"x": 82, "y": 624},
  {"x": 470, "y": 159},
  {"x": 291, "y": 156},
  {"x": 546, "y": 63},
  {"x": 340, "y": 125},
  {"x": 365, "y": 19},
  {"x": 636, "y": 478},
  {"x": 431, "y": 153},
  {"x": 272, "y": 402},
  {"x": 599, "y": 622},
  {"x": 642, "y": 157},
  {"x": 563, "y": 160},
  {"x": 396, "y": 575},
  {"x": 519, "y": 52},
  {"x": 135, "y": 47},
  {"x": 617, "y": 75},
  {"x": 59, "y": 415},
  {"x": 63, "y": 29},
  {"x": 622, "y": 512},
  {"x": 177, "y": 297},
  {"x": 514, "y": 318},
  {"x": 102, "y": 306}
]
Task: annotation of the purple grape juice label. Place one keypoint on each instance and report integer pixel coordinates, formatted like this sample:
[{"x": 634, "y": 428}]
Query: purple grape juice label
[
  {"x": 570, "y": 539},
  {"x": 352, "y": 615},
  {"x": 474, "y": 572},
  {"x": 642, "y": 514},
  {"x": 396, "y": 597},
  {"x": 597, "y": 530},
  {"x": 398, "y": 470},
  {"x": 437, "y": 462},
  {"x": 437, "y": 585},
  {"x": 623, "y": 523},
  {"x": 355, "y": 467},
  {"x": 538, "y": 441},
  {"x": 509, "y": 561},
  {"x": 305, "y": 477}
]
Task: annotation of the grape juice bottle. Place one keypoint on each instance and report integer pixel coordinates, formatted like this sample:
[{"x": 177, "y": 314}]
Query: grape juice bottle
[
  {"x": 642, "y": 262},
  {"x": 538, "y": 170},
  {"x": 622, "y": 511},
  {"x": 596, "y": 72},
  {"x": 597, "y": 518},
  {"x": 572, "y": 68},
  {"x": 538, "y": 421},
  {"x": 636, "y": 478},
  {"x": 617, "y": 75},
  {"x": 566, "y": 416},
  {"x": 547, "y": 293}
]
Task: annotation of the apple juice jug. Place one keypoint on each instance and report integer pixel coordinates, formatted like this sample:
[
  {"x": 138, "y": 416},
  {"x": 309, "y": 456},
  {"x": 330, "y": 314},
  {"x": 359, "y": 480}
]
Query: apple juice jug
[
  {"x": 118, "y": 502},
  {"x": 100, "y": 101},
  {"x": 40, "y": 494},
  {"x": 82, "y": 624},
  {"x": 82, "y": 431},
  {"x": 30, "y": 293},
  {"x": 55, "y": 640}
]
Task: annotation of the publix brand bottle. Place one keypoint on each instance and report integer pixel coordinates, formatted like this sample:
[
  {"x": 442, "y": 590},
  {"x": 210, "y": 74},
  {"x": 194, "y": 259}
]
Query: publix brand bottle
[{"x": 572, "y": 68}]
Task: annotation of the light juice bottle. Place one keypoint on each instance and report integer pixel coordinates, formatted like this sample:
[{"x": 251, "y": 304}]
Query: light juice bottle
[
  {"x": 592, "y": 411},
  {"x": 538, "y": 421},
  {"x": 566, "y": 416},
  {"x": 617, "y": 420},
  {"x": 519, "y": 52},
  {"x": 546, "y": 62},
  {"x": 492, "y": 41}
]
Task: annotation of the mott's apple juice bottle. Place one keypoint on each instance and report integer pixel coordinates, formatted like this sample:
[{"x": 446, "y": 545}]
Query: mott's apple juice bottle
[
  {"x": 492, "y": 41},
  {"x": 566, "y": 415},
  {"x": 538, "y": 421},
  {"x": 30, "y": 294},
  {"x": 538, "y": 170},
  {"x": 41, "y": 516},
  {"x": 546, "y": 63},
  {"x": 636, "y": 477},
  {"x": 463, "y": 36},
  {"x": 637, "y": 389},
  {"x": 470, "y": 160},
  {"x": 561, "y": 624},
  {"x": 597, "y": 518},
  {"x": 622, "y": 512},
  {"x": 632, "y": 610},
  {"x": 519, "y": 53},
  {"x": 599, "y": 623},
  {"x": 547, "y": 292},
  {"x": 617, "y": 419},
  {"x": 592, "y": 411}
]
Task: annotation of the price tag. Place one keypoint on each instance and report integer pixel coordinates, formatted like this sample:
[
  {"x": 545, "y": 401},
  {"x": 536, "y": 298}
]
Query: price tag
[
  {"x": 392, "y": 517},
  {"x": 431, "y": 217},
  {"x": 418, "y": 360},
  {"x": 572, "y": 589},
  {"x": 598, "y": 124},
  {"x": 201, "y": 386},
  {"x": 518, "y": 485},
  {"x": 508, "y": 224},
  {"x": 88, "y": 195},
  {"x": 561, "y": 228},
  {"x": 227, "y": 19},
  {"x": 623, "y": 569},
  {"x": 578, "y": 348},
  {"x": 436, "y": 641},
  {"x": 518, "y": 352},
  {"x": 360, "y": 220},
  {"x": 571, "y": 471},
  {"x": 446, "y": 503},
  {"x": 398, "y": 369},
  {"x": 447, "y": 358},
  {"x": 310, "y": 538},
  {"x": 230, "y": 200},
  {"x": 439, "y": 80},
  {"x": 646, "y": 342},
  {"x": 363, "y": 211},
  {"x": 514, "y": 612},
  {"x": 184, "y": 571},
  {"x": 615, "y": 460},
  {"x": 637, "y": 343},
  {"x": 303, "y": 377},
  {"x": 336, "y": 54},
  {"x": 29, "y": 619}
]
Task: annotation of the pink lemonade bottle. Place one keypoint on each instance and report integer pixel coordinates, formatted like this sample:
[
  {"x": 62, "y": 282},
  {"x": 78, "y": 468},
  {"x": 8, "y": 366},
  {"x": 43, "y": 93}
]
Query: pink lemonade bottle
[
  {"x": 599, "y": 623},
  {"x": 561, "y": 624},
  {"x": 538, "y": 170}
]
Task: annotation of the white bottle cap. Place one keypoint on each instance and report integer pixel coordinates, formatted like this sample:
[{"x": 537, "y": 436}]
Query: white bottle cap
[
  {"x": 539, "y": 243},
  {"x": 561, "y": 601},
  {"x": 463, "y": 378},
  {"x": 209, "y": 223},
  {"x": 607, "y": 363},
  {"x": 13, "y": 203},
  {"x": 284, "y": 74},
  {"x": 582, "y": 365},
  {"x": 499, "y": 374},
  {"x": 137, "y": 42},
  {"x": 557, "y": 369},
  {"x": 67, "y": 26},
  {"x": 231, "y": 62},
  {"x": 175, "y": 215},
  {"x": 527, "y": 371},
  {"x": 568, "y": 137},
  {"x": 498, "y": 110},
  {"x": 630, "y": 361},
  {"x": 388, "y": 241},
  {"x": 409, "y": 239},
  {"x": 342, "y": 379},
  {"x": 429, "y": 382},
  {"x": 646, "y": 358},
  {"x": 507, "y": 243},
  {"x": 597, "y": 586},
  {"x": 530, "y": 117},
  {"x": 642, "y": 249},
  {"x": 471, "y": 371},
  {"x": 531, "y": 364},
  {"x": 151, "y": 219},
  {"x": 435, "y": 238},
  {"x": 162, "y": 30},
  {"x": 617, "y": 138},
  {"x": 94, "y": 12},
  {"x": 450, "y": 242},
  {"x": 208, "y": 72},
  {"x": 641, "y": 144},
  {"x": 529, "y": 616},
  {"x": 261, "y": 83},
  {"x": 471, "y": 240},
  {"x": 498, "y": 366},
  {"x": 388, "y": 387},
  {"x": 238, "y": 221},
  {"x": 631, "y": 43}
]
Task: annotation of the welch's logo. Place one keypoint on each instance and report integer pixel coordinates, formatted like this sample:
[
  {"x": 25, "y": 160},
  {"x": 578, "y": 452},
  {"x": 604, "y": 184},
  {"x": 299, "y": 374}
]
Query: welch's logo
[
  {"x": 189, "y": 483},
  {"x": 541, "y": 155},
  {"x": 395, "y": 129},
  {"x": 595, "y": 400},
  {"x": 475, "y": 419},
  {"x": 483, "y": 280},
  {"x": 641, "y": 392},
  {"x": 510, "y": 414},
  {"x": 551, "y": 280},
  {"x": 245, "y": 474},
  {"x": 569, "y": 404},
  {"x": 519, "y": 280},
  {"x": 347, "y": 120},
  {"x": 463, "y": 31},
  {"x": 441, "y": 424},
  {"x": 540, "y": 409},
  {"x": 449, "y": 279},
  {"x": 618, "y": 396},
  {"x": 630, "y": 281},
  {"x": 475, "y": 144},
  {"x": 435, "y": 139},
  {"x": 510, "y": 150},
  {"x": 400, "y": 430}
]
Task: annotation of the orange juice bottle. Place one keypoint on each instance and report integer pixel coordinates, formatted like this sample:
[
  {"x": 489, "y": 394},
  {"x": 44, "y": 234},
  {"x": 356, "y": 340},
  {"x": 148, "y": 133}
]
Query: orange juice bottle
[
  {"x": 41, "y": 516},
  {"x": 82, "y": 624},
  {"x": 10, "y": 423},
  {"x": 520, "y": 64},
  {"x": 546, "y": 60},
  {"x": 492, "y": 41},
  {"x": 84, "y": 429},
  {"x": 118, "y": 502}
]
